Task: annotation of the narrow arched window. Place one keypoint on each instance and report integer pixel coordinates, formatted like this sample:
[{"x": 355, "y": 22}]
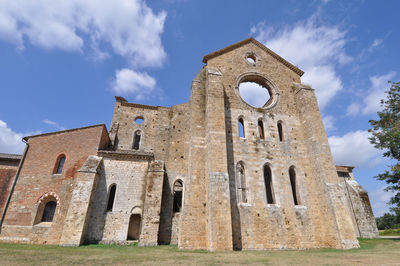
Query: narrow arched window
[
  {"x": 178, "y": 194},
  {"x": 241, "y": 128},
  {"x": 111, "y": 197},
  {"x": 268, "y": 184},
  {"x": 241, "y": 183},
  {"x": 292, "y": 175},
  {"x": 136, "y": 140},
  {"x": 59, "y": 164},
  {"x": 280, "y": 131},
  {"x": 48, "y": 211},
  {"x": 261, "y": 129}
]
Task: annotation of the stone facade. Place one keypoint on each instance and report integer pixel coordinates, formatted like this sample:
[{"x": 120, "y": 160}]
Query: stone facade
[
  {"x": 184, "y": 175},
  {"x": 361, "y": 211}
]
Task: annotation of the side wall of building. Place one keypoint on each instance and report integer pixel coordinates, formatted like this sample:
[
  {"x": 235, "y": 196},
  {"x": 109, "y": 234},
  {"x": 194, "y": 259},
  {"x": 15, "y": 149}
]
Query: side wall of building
[
  {"x": 22, "y": 221},
  {"x": 360, "y": 206},
  {"x": 8, "y": 169}
]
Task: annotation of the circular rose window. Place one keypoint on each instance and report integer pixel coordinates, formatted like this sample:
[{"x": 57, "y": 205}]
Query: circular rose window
[{"x": 257, "y": 91}]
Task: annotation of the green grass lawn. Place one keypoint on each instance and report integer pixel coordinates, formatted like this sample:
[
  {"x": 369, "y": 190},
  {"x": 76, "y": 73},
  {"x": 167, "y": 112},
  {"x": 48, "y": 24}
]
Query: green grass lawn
[
  {"x": 372, "y": 251},
  {"x": 390, "y": 232}
]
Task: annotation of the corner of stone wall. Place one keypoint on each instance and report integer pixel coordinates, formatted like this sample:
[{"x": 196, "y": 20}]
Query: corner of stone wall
[
  {"x": 362, "y": 211},
  {"x": 341, "y": 231},
  {"x": 152, "y": 204},
  {"x": 78, "y": 214}
]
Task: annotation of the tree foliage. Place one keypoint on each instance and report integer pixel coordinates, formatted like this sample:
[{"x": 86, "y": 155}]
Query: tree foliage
[
  {"x": 389, "y": 220},
  {"x": 386, "y": 136}
]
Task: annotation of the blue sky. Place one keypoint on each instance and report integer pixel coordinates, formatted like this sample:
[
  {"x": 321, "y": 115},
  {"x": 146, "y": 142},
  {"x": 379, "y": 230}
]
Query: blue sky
[{"x": 62, "y": 62}]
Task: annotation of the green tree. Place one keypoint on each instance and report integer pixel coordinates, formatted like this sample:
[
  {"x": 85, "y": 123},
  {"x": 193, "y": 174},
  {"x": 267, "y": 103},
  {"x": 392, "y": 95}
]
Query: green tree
[{"x": 386, "y": 136}]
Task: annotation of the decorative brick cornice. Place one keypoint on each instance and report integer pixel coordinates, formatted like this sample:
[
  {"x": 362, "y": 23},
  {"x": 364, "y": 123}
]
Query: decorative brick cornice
[{"x": 260, "y": 45}]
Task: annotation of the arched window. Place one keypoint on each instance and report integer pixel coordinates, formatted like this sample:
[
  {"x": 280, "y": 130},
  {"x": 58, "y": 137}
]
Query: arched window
[
  {"x": 261, "y": 129},
  {"x": 111, "y": 197},
  {"x": 59, "y": 164},
  {"x": 48, "y": 212},
  {"x": 136, "y": 140},
  {"x": 280, "y": 131},
  {"x": 178, "y": 194},
  {"x": 292, "y": 175},
  {"x": 241, "y": 128},
  {"x": 268, "y": 184},
  {"x": 241, "y": 183}
]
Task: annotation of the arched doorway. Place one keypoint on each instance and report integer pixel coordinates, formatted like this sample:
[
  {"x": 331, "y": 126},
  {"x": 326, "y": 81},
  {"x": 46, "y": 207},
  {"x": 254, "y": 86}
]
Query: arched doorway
[{"x": 134, "y": 227}]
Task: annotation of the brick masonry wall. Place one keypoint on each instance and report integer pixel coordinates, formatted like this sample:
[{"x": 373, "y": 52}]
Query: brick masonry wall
[
  {"x": 8, "y": 170},
  {"x": 37, "y": 179}
]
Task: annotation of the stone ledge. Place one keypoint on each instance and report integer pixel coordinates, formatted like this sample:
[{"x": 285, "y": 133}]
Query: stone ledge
[
  {"x": 91, "y": 164},
  {"x": 126, "y": 154}
]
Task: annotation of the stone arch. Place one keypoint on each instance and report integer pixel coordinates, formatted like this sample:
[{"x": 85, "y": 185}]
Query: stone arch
[
  {"x": 134, "y": 226},
  {"x": 60, "y": 163},
  {"x": 241, "y": 184},
  {"x": 269, "y": 188},
  {"x": 241, "y": 128},
  {"x": 265, "y": 82},
  {"x": 293, "y": 184},
  {"x": 46, "y": 207},
  {"x": 279, "y": 125},
  {"x": 112, "y": 191},
  {"x": 137, "y": 139},
  {"x": 260, "y": 126},
  {"x": 177, "y": 193}
]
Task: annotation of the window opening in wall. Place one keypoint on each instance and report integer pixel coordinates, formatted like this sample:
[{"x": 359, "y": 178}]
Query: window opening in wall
[
  {"x": 136, "y": 140},
  {"x": 134, "y": 227},
  {"x": 111, "y": 197},
  {"x": 241, "y": 127},
  {"x": 60, "y": 164},
  {"x": 241, "y": 183},
  {"x": 178, "y": 193},
  {"x": 139, "y": 120},
  {"x": 280, "y": 131},
  {"x": 254, "y": 93},
  {"x": 261, "y": 129},
  {"x": 251, "y": 58},
  {"x": 48, "y": 212},
  {"x": 268, "y": 184},
  {"x": 293, "y": 184}
]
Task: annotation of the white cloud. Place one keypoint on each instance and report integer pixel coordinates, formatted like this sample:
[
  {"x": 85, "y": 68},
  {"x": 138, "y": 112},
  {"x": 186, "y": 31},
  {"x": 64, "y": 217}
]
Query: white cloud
[
  {"x": 315, "y": 49},
  {"x": 10, "y": 141},
  {"x": 128, "y": 28},
  {"x": 379, "y": 199},
  {"x": 354, "y": 149},
  {"x": 377, "y": 42},
  {"x": 128, "y": 81},
  {"x": 353, "y": 109},
  {"x": 54, "y": 124},
  {"x": 379, "y": 84},
  {"x": 329, "y": 123},
  {"x": 371, "y": 102}
]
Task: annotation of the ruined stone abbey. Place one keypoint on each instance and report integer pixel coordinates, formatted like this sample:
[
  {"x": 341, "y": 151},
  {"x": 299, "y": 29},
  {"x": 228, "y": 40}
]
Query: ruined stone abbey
[{"x": 214, "y": 173}]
